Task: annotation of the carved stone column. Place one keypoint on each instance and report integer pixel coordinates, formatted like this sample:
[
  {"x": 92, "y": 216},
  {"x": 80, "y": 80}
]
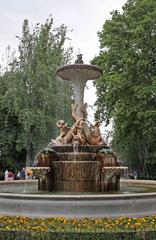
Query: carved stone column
[
  {"x": 41, "y": 173},
  {"x": 79, "y": 74},
  {"x": 110, "y": 178}
]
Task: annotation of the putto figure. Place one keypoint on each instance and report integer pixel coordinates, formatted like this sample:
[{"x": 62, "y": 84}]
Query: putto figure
[
  {"x": 80, "y": 134},
  {"x": 63, "y": 128},
  {"x": 79, "y": 59},
  {"x": 63, "y": 132}
]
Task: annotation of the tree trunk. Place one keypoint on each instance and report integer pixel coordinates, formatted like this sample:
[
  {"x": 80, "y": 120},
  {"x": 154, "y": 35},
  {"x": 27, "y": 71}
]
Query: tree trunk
[{"x": 143, "y": 157}]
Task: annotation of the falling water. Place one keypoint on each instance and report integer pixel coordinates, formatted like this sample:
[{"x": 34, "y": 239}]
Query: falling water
[
  {"x": 36, "y": 158},
  {"x": 26, "y": 177},
  {"x": 25, "y": 185},
  {"x": 27, "y": 166},
  {"x": 125, "y": 174},
  {"x": 75, "y": 147}
]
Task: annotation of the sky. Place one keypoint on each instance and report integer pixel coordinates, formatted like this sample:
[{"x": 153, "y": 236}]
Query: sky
[{"x": 84, "y": 17}]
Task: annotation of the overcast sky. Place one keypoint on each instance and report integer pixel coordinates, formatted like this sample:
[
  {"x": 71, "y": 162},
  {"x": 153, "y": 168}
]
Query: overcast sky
[{"x": 85, "y": 17}]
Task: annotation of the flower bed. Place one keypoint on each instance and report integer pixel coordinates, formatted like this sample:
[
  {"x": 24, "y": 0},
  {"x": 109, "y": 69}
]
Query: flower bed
[{"x": 61, "y": 224}]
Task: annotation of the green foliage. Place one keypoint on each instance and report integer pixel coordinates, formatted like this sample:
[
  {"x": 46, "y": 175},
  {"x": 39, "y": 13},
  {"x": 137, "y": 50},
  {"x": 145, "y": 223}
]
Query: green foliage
[
  {"x": 127, "y": 91},
  {"x": 32, "y": 99}
]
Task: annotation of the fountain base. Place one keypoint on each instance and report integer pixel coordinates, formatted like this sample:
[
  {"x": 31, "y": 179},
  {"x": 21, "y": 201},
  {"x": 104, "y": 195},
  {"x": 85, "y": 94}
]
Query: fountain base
[{"x": 90, "y": 169}]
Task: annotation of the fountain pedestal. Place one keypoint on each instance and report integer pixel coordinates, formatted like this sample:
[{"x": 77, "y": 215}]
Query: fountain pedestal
[
  {"x": 76, "y": 176},
  {"x": 79, "y": 74},
  {"x": 90, "y": 169}
]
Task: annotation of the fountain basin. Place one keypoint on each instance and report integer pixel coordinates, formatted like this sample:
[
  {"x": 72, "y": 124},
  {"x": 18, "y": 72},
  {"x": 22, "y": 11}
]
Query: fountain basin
[
  {"x": 83, "y": 71},
  {"x": 19, "y": 186},
  {"x": 80, "y": 205}
]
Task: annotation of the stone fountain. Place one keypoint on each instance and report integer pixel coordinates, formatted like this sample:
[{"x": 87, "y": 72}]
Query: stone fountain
[{"x": 78, "y": 160}]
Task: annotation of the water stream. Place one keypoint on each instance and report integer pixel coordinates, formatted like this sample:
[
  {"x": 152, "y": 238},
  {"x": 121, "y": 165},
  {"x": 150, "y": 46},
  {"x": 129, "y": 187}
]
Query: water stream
[{"x": 75, "y": 147}]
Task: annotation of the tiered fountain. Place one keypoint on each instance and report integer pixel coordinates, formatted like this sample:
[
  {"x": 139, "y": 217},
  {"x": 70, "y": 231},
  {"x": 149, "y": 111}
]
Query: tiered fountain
[{"x": 78, "y": 160}]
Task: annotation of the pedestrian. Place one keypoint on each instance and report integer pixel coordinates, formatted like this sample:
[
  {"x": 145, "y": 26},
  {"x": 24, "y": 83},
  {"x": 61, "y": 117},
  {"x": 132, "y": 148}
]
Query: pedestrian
[
  {"x": 29, "y": 173},
  {"x": 18, "y": 175},
  {"x": 10, "y": 175},
  {"x": 135, "y": 174},
  {"x": 6, "y": 175},
  {"x": 22, "y": 174}
]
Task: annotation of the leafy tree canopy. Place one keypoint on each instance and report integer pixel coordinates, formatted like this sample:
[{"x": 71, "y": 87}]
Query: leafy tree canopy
[
  {"x": 127, "y": 91},
  {"x": 32, "y": 98}
]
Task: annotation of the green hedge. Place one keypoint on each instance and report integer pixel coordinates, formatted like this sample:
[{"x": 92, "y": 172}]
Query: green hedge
[{"x": 25, "y": 235}]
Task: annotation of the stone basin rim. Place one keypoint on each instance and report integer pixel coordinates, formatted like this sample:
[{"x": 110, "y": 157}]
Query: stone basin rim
[
  {"x": 77, "y": 197},
  {"x": 82, "y": 67}
]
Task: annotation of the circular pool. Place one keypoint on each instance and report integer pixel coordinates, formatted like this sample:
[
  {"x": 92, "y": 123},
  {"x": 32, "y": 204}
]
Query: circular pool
[{"x": 25, "y": 200}]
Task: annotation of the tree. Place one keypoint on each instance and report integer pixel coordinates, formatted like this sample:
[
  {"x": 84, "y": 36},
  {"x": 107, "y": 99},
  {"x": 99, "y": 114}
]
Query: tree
[
  {"x": 127, "y": 91},
  {"x": 9, "y": 131},
  {"x": 32, "y": 89}
]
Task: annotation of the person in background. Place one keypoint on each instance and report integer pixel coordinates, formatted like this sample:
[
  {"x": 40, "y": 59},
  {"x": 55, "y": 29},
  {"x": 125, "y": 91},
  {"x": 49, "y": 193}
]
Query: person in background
[
  {"x": 135, "y": 174},
  {"x": 6, "y": 175},
  {"x": 23, "y": 174},
  {"x": 10, "y": 175},
  {"x": 29, "y": 173},
  {"x": 131, "y": 175},
  {"x": 18, "y": 175}
]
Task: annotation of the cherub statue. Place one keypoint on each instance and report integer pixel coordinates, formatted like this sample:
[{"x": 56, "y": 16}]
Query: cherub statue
[
  {"x": 79, "y": 59},
  {"x": 63, "y": 128},
  {"x": 97, "y": 134},
  {"x": 63, "y": 131},
  {"x": 96, "y": 129},
  {"x": 80, "y": 135}
]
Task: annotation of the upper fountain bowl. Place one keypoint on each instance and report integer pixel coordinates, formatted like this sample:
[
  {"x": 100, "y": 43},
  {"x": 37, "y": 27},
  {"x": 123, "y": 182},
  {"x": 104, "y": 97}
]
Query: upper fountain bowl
[{"x": 79, "y": 71}]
